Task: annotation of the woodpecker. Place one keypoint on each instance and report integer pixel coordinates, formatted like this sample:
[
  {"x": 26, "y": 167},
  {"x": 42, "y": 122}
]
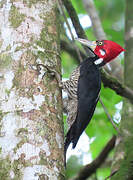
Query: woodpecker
[{"x": 83, "y": 87}]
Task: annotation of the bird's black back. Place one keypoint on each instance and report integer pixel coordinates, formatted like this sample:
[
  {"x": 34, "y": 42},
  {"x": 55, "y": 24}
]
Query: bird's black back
[{"x": 89, "y": 85}]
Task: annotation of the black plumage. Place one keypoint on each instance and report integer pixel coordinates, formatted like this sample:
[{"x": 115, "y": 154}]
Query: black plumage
[{"x": 89, "y": 84}]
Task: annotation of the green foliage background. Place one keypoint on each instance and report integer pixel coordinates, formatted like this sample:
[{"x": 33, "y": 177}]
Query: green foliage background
[{"x": 112, "y": 17}]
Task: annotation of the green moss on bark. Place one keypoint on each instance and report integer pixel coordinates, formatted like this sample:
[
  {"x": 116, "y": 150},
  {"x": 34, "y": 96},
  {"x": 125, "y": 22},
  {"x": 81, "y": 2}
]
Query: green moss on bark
[
  {"x": 5, "y": 60},
  {"x": 5, "y": 166},
  {"x": 16, "y": 166},
  {"x": 16, "y": 80},
  {"x": 31, "y": 2},
  {"x": 43, "y": 160},
  {"x": 0, "y": 43},
  {"x": 15, "y": 17},
  {"x": 2, "y": 3},
  {"x": 20, "y": 144},
  {"x": 1, "y": 117},
  {"x": 22, "y": 131}
]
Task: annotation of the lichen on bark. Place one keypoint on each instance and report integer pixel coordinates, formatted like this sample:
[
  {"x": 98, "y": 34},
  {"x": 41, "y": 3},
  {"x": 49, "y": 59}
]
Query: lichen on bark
[
  {"x": 15, "y": 17},
  {"x": 31, "y": 145}
]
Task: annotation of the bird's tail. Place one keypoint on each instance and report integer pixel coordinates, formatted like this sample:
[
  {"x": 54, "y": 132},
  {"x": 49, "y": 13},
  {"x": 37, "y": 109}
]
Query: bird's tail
[
  {"x": 70, "y": 138},
  {"x": 77, "y": 129}
]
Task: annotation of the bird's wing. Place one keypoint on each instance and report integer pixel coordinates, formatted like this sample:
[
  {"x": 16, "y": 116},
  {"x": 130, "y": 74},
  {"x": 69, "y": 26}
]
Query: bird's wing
[
  {"x": 71, "y": 111},
  {"x": 71, "y": 85},
  {"x": 88, "y": 91}
]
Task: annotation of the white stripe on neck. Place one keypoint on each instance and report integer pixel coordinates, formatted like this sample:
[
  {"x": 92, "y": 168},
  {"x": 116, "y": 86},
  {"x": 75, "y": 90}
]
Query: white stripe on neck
[
  {"x": 102, "y": 52},
  {"x": 98, "y": 61}
]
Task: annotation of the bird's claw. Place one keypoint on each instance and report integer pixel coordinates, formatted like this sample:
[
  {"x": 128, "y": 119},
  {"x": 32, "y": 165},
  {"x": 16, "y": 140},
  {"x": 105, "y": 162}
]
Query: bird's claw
[
  {"x": 52, "y": 72},
  {"x": 41, "y": 71},
  {"x": 49, "y": 70}
]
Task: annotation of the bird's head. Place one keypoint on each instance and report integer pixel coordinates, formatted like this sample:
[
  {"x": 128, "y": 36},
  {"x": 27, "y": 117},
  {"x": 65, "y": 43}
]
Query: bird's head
[{"x": 106, "y": 50}]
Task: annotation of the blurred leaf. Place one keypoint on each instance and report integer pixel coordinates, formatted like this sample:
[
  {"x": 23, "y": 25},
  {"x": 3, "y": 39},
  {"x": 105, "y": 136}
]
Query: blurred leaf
[
  {"x": 65, "y": 123},
  {"x": 78, "y": 5},
  {"x": 90, "y": 34},
  {"x": 102, "y": 173},
  {"x": 68, "y": 64},
  {"x": 100, "y": 127},
  {"x": 73, "y": 167}
]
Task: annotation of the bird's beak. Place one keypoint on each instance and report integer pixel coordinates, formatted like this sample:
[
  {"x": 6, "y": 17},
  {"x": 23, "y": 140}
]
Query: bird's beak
[{"x": 91, "y": 44}]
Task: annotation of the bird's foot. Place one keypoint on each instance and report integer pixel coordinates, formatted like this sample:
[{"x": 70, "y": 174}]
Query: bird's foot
[{"x": 51, "y": 71}]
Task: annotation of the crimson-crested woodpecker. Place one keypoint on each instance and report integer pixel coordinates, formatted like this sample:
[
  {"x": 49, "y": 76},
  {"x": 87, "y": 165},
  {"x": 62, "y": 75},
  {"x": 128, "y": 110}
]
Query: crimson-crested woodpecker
[{"x": 84, "y": 86}]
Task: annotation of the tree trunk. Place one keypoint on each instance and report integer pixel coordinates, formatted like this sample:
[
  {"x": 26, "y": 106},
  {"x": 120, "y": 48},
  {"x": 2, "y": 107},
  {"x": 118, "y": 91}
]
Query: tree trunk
[
  {"x": 124, "y": 152},
  {"x": 31, "y": 125}
]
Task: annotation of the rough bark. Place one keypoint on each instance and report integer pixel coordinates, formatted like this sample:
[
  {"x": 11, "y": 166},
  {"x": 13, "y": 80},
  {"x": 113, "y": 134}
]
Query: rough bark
[
  {"x": 31, "y": 126},
  {"x": 123, "y": 161}
]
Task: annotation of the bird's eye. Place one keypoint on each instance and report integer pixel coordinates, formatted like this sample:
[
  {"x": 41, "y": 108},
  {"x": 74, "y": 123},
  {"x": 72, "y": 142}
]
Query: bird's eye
[{"x": 100, "y": 43}]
